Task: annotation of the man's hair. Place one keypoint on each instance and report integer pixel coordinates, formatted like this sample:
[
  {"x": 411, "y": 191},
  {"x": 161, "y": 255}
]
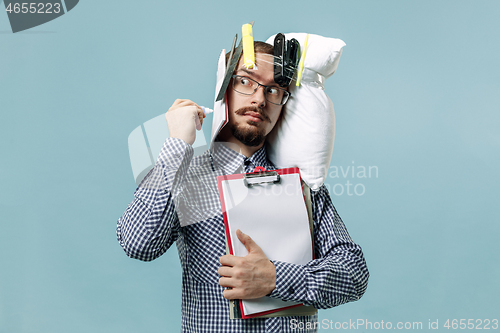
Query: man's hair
[{"x": 259, "y": 47}]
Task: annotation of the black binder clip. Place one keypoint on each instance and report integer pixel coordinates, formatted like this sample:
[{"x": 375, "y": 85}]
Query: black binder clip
[
  {"x": 286, "y": 59},
  {"x": 268, "y": 177},
  {"x": 234, "y": 57}
]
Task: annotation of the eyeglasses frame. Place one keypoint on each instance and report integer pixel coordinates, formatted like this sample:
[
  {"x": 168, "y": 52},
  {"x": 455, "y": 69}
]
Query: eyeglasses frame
[{"x": 261, "y": 85}]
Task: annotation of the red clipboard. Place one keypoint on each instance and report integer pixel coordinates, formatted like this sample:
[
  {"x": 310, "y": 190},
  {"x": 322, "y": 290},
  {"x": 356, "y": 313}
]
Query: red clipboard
[{"x": 270, "y": 207}]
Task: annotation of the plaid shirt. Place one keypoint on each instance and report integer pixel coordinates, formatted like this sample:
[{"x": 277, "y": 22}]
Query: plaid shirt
[{"x": 182, "y": 190}]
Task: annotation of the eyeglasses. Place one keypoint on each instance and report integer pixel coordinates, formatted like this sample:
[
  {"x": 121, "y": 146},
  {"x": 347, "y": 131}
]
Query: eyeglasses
[{"x": 246, "y": 86}]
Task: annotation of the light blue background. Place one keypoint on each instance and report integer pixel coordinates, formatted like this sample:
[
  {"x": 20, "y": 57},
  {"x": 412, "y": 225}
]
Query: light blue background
[{"x": 416, "y": 95}]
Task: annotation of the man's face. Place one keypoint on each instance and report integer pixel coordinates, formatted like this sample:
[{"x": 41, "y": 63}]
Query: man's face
[{"x": 252, "y": 117}]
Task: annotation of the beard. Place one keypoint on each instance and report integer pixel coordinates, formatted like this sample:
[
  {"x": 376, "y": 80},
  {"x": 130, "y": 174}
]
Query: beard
[{"x": 249, "y": 134}]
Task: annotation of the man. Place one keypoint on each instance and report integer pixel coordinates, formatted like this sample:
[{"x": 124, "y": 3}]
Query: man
[{"x": 182, "y": 190}]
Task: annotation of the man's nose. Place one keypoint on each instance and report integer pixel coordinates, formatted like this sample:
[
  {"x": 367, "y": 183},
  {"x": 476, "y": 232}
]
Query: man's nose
[{"x": 259, "y": 97}]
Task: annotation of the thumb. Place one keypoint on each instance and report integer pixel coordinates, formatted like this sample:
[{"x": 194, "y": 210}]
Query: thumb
[
  {"x": 250, "y": 245},
  {"x": 199, "y": 118}
]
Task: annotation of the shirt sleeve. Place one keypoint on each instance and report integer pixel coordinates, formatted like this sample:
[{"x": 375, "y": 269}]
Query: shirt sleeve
[
  {"x": 150, "y": 224},
  {"x": 338, "y": 274}
]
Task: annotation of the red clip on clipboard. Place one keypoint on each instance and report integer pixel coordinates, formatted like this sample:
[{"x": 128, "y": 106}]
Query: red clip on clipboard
[{"x": 269, "y": 206}]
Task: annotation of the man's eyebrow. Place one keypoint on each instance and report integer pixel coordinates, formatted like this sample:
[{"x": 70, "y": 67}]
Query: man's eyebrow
[
  {"x": 249, "y": 72},
  {"x": 253, "y": 74}
]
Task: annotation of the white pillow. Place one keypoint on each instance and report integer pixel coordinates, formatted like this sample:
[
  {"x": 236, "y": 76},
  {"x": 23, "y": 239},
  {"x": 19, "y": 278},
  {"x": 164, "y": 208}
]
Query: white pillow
[{"x": 305, "y": 133}]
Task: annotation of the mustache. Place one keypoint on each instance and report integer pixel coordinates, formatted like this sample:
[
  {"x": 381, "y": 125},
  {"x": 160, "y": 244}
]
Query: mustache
[{"x": 261, "y": 112}]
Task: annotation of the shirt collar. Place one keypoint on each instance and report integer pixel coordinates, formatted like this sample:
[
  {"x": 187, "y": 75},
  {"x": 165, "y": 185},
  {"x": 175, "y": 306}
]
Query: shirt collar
[
  {"x": 259, "y": 158},
  {"x": 232, "y": 162}
]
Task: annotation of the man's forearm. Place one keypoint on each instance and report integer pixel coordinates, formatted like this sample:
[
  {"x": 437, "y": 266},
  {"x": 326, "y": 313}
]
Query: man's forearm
[
  {"x": 323, "y": 283},
  {"x": 150, "y": 224}
]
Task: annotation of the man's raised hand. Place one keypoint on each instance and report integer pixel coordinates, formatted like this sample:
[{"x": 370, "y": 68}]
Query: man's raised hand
[{"x": 183, "y": 118}]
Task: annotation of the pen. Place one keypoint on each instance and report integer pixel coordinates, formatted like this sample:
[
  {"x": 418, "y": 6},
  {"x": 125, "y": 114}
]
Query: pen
[{"x": 206, "y": 110}]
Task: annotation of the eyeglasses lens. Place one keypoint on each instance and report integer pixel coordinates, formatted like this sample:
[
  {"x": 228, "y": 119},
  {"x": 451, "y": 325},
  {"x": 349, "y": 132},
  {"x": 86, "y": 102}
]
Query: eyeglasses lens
[{"x": 247, "y": 86}]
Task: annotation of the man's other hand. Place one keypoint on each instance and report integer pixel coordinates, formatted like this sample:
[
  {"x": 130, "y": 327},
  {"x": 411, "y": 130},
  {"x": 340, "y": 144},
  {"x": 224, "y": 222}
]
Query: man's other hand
[
  {"x": 183, "y": 117},
  {"x": 252, "y": 276}
]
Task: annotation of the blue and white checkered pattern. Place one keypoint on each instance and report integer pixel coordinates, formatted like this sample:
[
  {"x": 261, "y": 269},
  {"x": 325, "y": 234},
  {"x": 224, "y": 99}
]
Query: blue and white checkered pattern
[{"x": 151, "y": 224}]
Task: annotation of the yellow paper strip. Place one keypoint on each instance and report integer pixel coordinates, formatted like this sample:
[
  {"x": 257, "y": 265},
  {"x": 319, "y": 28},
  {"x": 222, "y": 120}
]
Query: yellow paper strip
[{"x": 302, "y": 60}]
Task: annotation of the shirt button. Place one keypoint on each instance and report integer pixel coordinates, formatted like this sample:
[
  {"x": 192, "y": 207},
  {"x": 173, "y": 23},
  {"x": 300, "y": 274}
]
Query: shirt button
[{"x": 291, "y": 290}]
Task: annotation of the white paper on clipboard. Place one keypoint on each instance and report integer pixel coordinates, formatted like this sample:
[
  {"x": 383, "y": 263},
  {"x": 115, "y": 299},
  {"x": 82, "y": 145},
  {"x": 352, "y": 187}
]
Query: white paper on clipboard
[{"x": 275, "y": 217}]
